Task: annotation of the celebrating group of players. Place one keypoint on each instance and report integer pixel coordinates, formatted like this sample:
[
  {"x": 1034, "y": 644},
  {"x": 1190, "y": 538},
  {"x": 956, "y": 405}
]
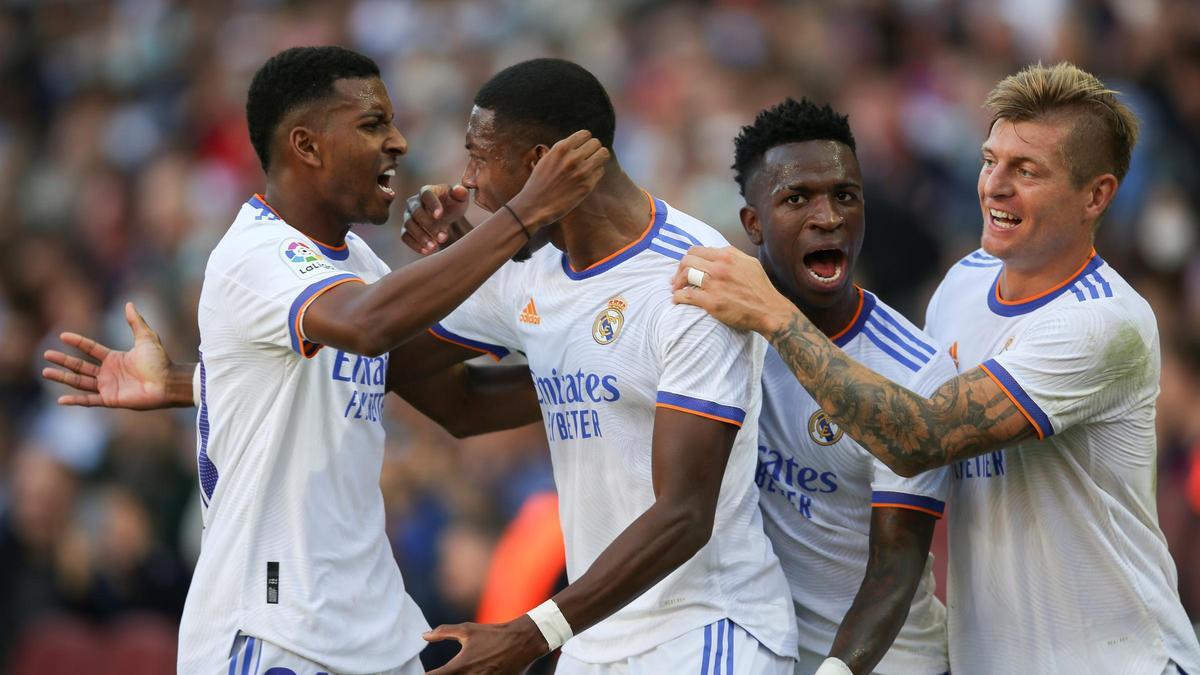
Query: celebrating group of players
[{"x": 729, "y": 504}]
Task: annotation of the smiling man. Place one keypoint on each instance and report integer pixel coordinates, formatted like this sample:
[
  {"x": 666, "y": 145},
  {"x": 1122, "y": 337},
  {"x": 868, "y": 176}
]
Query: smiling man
[
  {"x": 830, "y": 509},
  {"x": 1057, "y": 564}
]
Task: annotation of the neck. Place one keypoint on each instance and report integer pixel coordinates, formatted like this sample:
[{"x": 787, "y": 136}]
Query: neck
[
  {"x": 1020, "y": 280},
  {"x": 295, "y": 203},
  {"x": 614, "y": 215},
  {"x": 832, "y": 318}
]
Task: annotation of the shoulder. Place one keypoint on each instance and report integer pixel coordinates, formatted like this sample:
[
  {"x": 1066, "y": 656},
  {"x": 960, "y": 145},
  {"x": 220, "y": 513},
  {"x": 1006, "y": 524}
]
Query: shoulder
[
  {"x": 674, "y": 232},
  {"x": 1108, "y": 329},
  {"x": 885, "y": 341},
  {"x": 977, "y": 268},
  {"x": 359, "y": 248}
]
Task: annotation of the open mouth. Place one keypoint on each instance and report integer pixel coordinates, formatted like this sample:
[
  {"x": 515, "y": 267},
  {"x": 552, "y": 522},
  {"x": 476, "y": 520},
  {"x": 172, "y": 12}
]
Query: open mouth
[
  {"x": 826, "y": 266},
  {"x": 1004, "y": 220},
  {"x": 385, "y": 182}
]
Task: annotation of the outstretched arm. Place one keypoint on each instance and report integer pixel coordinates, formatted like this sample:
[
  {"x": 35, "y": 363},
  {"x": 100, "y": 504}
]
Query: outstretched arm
[
  {"x": 965, "y": 417},
  {"x": 689, "y": 457},
  {"x": 143, "y": 378},
  {"x": 898, "y": 549}
]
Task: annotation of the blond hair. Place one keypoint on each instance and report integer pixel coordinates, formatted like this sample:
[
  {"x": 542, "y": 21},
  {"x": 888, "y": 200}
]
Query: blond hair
[{"x": 1104, "y": 130}]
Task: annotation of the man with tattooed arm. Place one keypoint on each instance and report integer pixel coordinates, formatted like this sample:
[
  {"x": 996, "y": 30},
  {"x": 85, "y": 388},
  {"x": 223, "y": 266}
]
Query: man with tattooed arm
[{"x": 1057, "y": 563}]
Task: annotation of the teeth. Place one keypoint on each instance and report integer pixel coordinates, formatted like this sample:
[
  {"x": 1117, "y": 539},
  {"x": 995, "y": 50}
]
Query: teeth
[
  {"x": 387, "y": 190},
  {"x": 837, "y": 274},
  {"x": 997, "y": 213},
  {"x": 390, "y": 172}
]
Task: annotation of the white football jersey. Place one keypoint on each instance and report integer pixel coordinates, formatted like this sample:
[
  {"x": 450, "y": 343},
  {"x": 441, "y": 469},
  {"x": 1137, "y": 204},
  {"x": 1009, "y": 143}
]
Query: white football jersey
[
  {"x": 606, "y": 346},
  {"x": 1057, "y": 563},
  {"x": 290, "y": 450},
  {"x": 818, "y": 487}
]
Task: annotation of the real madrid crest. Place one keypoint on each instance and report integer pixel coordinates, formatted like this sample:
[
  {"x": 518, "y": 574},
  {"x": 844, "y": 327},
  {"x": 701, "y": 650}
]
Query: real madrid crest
[
  {"x": 822, "y": 428},
  {"x": 607, "y": 326}
]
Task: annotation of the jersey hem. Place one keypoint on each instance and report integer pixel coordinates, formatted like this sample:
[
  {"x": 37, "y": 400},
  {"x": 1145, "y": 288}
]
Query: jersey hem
[
  {"x": 1012, "y": 389},
  {"x": 701, "y": 407},
  {"x": 495, "y": 351},
  {"x": 300, "y": 344}
]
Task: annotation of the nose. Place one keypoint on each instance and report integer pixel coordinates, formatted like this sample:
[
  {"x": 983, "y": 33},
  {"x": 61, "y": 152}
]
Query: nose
[
  {"x": 469, "y": 175},
  {"x": 396, "y": 143},
  {"x": 995, "y": 183},
  {"x": 825, "y": 214}
]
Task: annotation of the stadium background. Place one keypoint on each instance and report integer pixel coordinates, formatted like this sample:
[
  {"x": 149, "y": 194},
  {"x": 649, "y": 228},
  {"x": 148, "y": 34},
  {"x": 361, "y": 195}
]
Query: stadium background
[{"x": 124, "y": 155}]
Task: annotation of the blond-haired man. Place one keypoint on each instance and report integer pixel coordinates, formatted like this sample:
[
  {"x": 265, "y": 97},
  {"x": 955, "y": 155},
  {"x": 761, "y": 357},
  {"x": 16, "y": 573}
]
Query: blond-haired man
[{"x": 1057, "y": 563}]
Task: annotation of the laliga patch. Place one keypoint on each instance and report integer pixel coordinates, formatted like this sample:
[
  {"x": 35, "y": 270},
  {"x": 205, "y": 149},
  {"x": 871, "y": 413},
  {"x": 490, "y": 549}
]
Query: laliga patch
[{"x": 304, "y": 259}]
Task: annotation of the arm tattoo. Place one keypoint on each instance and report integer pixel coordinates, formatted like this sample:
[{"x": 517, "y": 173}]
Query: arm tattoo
[{"x": 966, "y": 416}]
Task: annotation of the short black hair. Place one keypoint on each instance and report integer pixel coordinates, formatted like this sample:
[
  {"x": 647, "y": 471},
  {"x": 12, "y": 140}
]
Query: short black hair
[
  {"x": 791, "y": 121},
  {"x": 552, "y": 98},
  {"x": 293, "y": 78}
]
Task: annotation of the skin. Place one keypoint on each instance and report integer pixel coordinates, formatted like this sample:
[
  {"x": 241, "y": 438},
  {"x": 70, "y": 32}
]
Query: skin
[
  {"x": 804, "y": 197},
  {"x": 680, "y": 521},
  {"x": 326, "y": 161},
  {"x": 696, "y": 449},
  {"x": 1025, "y": 173},
  {"x": 970, "y": 414}
]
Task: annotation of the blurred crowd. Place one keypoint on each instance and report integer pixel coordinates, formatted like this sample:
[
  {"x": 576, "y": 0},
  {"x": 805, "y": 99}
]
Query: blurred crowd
[{"x": 124, "y": 156}]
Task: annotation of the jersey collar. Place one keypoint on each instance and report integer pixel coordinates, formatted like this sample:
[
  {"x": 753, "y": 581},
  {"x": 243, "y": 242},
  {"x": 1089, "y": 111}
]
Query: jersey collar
[
  {"x": 267, "y": 212},
  {"x": 1027, "y": 305},
  {"x": 866, "y": 303},
  {"x": 658, "y": 215}
]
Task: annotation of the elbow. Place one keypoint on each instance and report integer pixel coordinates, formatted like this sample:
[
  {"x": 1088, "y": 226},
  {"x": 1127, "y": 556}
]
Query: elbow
[
  {"x": 370, "y": 339},
  {"x": 691, "y": 527}
]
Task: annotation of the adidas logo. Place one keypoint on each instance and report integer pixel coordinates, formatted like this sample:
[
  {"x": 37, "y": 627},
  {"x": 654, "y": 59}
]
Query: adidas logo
[{"x": 530, "y": 314}]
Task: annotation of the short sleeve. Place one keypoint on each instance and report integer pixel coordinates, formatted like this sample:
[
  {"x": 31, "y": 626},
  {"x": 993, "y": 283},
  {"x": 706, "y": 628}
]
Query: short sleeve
[
  {"x": 1071, "y": 366},
  {"x": 925, "y": 492},
  {"x": 708, "y": 369},
  {"x": 272, "y": 282},
  {"x": 484, "y": 322}
]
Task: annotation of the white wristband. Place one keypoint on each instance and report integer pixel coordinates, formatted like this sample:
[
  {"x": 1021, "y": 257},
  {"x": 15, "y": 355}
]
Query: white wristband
[
  {"x": 196, "y": 386},
  {"x": 834, "y": 666},
  {"x": 552, "y": 623}
]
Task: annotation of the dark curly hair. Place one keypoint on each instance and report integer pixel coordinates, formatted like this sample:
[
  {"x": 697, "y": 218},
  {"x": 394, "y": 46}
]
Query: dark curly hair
[
  {"x": 791, "y": 121},
  {"x": 551, "y": 99},
  {"x": 293, "y": 78}
]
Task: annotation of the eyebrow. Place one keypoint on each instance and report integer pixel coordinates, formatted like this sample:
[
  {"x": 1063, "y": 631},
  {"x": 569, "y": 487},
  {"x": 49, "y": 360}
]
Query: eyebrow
[
  {"x": 802, "y": 187},
  {"x": 1019, "y": 159}
]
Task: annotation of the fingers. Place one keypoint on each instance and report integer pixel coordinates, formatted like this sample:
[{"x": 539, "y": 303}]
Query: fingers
[
  {"x": 711, "y": 261},
  {"x": 71, "y": 363},
  {"x": 418, "y": 224},
  {"x": 691, "y": 295},
  {"x": 73, "y": 380},
  {"x": 457, "y": 631},
  {"x": 86, "y": 345},
  {"x": 596, "y": 157},
  {"x": 137, "y": 324},
  {"x": 575, "y": 140},
  {"x": 459, "y": 193},
  {"x": 430, "y": 200},
  {"x": 84, "y": 400}
]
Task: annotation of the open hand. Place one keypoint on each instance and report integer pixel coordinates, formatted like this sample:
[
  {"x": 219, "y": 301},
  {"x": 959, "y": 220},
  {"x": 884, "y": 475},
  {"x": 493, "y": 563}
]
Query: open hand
[
  {"x": 560, "y": 180},
  {"x": 436, "y": 217},
  {"x": 491, "y": 649},
  {"x": 135, "y": 379}
]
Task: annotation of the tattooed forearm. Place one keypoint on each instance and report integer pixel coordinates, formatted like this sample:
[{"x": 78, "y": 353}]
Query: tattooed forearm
[{"x": 967, "y": 416}]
